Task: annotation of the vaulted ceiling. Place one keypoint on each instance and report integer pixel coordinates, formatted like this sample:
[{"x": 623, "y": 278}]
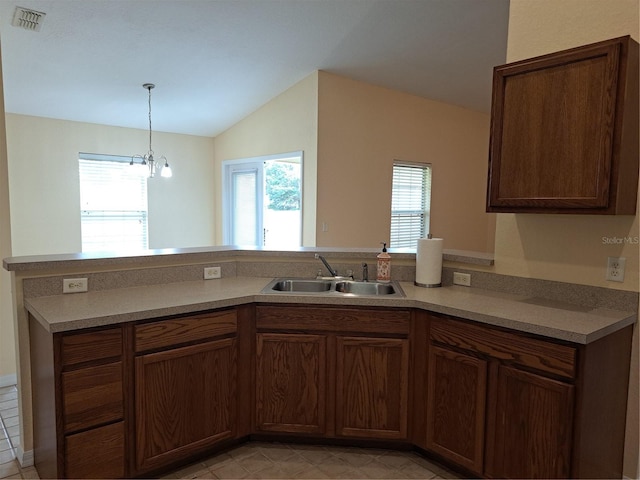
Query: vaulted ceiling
[{"x": 216, "y": 61}]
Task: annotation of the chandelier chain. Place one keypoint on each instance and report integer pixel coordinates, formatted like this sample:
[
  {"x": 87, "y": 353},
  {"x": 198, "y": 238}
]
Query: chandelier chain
[{"x": 149, "y": 88}]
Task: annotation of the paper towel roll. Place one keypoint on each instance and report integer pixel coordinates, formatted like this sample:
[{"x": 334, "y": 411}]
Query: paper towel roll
[{"x": 429, "y": 262}]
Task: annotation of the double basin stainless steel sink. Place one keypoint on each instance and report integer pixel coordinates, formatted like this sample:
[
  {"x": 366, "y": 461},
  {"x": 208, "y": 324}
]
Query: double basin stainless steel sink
[{"x": 333, "y": 286}]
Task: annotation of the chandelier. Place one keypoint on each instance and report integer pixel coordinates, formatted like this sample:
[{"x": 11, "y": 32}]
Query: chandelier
[{"x": 147, "y": 159}]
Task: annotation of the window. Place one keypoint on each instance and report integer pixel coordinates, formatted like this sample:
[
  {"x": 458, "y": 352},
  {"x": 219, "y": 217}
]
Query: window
[
  {"x": 113, "y": 204},
  {"x": 410, "y": 203},
  {"x": 263, "y": 201}
]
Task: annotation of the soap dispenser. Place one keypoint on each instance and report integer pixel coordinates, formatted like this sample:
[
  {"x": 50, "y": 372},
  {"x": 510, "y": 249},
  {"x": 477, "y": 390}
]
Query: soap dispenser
[{"x": 384, "y": 265}]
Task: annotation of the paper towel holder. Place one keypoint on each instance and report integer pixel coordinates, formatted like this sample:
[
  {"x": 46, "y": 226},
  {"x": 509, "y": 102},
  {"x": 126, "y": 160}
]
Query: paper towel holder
[{"x": 427, "y": 285}]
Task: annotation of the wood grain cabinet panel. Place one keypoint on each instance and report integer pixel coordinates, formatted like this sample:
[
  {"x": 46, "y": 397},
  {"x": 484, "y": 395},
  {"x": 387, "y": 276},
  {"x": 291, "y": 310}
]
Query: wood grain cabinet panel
[
  {"x": 503, "y": 405},
  {"x": 77, "y": 348},
  {"x": 564, "y": 132},
  {"x": 96, "y": 453},
  {"x": 372, "y": 384},
  {"x": 185, "y": 401},
  {"x": 333, "y": 320},
  {"x": 534, "y": 418},
  {"x": 192, "y": 328},
  {"x": 333, "y": 372},
  {"x": 457, "y": 392},
  {"x": 291, "y": 383},
  {"x": 533, "y": 353},
  {"x": 92, "y": 396},
  {"x": 78, "y": 402}
]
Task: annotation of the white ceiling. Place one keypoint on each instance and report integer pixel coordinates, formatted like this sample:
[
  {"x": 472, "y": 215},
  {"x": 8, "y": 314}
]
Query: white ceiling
[{"x": 216, "y": 61}]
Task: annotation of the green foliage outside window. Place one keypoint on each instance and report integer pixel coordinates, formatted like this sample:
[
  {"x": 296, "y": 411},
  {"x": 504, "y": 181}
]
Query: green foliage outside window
[{"x": 283, "y": 186}]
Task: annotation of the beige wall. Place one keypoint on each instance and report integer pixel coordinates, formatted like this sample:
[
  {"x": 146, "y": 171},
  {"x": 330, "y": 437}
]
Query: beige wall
[
  {"x": 362, "y": 129},
  {"x": 287, "y": 123},
  {"x": 7, "y": 349},
  {"x": 45, "y": 191},
  {"x": 570, "y": 248}
]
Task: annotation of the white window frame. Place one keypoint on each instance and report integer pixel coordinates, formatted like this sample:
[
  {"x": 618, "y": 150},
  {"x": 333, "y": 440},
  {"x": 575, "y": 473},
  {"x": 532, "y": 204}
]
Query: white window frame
[
  {"x": 410, "y": 203},
  {"x": 230, "y": 169},
  {"x": 102, "y": 215},
  {"x": 256, "y": 164}
]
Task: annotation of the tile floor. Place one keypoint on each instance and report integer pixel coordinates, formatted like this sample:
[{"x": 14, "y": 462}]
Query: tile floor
[
  {"x": 260, "y": 460},
  {"x": 10, "y": 436},
  {"x": 253, "y": 460}
]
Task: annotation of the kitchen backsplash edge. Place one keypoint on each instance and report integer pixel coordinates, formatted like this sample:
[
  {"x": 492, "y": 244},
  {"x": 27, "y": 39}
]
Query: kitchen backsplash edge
[{"x": 403, "y": 271}]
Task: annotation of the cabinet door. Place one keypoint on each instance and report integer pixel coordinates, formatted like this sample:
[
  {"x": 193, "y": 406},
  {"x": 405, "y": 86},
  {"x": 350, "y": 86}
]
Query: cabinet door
[
  {"x": 556, "y": 130},
  {"x": 534, "y": 417},
  {"x": 291, "y": 383},
  {"x": 185, "y": 401},
  {"x": 372, "y": 387},
  {"x": 456, "y": 392}
]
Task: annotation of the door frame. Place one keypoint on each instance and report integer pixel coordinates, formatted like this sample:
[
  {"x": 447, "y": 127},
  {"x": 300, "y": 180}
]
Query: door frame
[{"x": 230, "y": 166}]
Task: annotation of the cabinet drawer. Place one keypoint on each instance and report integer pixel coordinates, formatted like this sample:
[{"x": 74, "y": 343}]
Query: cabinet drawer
[
  {"x": 92, "y": 396},
  {"x": 97, "y": 453},
  {"x": 185, "y": 329},
  {"x": 510, "y": 347},
  {"x": 338, "y": 320},
  {"x": 91, "y": 346}
]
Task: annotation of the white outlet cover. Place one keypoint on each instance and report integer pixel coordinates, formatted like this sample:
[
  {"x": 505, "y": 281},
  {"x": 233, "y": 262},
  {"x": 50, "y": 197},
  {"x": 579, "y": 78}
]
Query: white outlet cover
[
  {"x": 463, "y": 279},
  {"x": 74, "y": 285},
  {"x": 212, "y": 272},
  {"x": 615, "y": 269}
]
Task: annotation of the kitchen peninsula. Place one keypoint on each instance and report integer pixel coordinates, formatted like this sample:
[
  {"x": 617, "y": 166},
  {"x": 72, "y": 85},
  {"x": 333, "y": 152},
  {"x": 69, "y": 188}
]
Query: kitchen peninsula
[{"x": 454, "y": 369}]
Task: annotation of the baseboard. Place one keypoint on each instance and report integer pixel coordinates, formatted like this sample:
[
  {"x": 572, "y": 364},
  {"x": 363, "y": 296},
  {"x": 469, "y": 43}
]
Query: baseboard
[
  {"x": 8, "y": 380},
  {"x": 25, "y": 459}
]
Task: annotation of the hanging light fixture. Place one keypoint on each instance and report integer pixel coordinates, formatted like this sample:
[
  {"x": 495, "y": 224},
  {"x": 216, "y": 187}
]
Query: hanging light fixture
[{"x": 147, "y": 159}]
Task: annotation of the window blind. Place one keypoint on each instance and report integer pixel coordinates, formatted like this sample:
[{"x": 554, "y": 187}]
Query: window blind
[
  {"x": 113, "y": 202},
  {"x": 410, "y": 204}
]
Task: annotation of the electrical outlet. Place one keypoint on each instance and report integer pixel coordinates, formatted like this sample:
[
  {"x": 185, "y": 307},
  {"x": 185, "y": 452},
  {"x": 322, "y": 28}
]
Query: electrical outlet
[
  {"x": 615, "y": 269},
  {"x": 212, "y": 272},
  {"x": 74, "y": 285},
  {"x": 463, "y": 279}
]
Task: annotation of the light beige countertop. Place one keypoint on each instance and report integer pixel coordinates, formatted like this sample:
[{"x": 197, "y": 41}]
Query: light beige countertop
[{"x": 58, "y": 313}]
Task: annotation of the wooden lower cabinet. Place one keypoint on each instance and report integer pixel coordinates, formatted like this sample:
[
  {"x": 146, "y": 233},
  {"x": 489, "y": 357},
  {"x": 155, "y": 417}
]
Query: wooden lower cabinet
[
  {"x": 92, "y": 396},
  {"x": 457, "y": 391},
  {"x": 501, "y": 404},
  {"x": 372, "y": 387},
  {"x": 291, "y": 383},
  {"x": 533, "y": 426},
  {"x": 78, "y": 402},
  {"x": 489, "y": 415},
  {"x": 136, "y": 399},
  {"x": 96, "y": 453},
  {"x": 312, "y": 378},
  {"x": 185, "y": 397}
]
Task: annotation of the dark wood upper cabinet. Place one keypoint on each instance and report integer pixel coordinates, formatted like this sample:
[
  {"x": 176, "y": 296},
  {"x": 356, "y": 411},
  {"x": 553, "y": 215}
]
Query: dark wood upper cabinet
[{"x": 564, "y": 132}]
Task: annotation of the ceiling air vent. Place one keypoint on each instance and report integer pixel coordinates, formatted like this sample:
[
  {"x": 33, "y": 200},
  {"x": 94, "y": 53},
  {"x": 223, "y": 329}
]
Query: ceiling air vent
[{"x": 27, "y": 19}]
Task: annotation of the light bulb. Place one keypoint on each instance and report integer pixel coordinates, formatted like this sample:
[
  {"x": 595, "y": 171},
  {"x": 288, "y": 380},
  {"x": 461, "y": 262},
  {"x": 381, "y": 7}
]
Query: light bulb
[{"x": 166, "y": 171}]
